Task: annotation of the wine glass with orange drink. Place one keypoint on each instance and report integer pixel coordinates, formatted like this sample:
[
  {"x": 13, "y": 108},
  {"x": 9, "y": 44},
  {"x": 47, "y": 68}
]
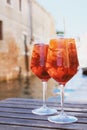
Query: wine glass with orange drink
[
  {"x": 38, "y": 66},
  {"x": 62, "y": 64}
]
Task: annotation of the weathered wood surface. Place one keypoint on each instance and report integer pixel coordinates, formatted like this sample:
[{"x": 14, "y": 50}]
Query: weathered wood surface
[{"x": 15, "y": 114}]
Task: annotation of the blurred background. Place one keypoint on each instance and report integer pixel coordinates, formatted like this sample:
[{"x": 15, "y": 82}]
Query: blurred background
[{"x": 24, "y": 21}]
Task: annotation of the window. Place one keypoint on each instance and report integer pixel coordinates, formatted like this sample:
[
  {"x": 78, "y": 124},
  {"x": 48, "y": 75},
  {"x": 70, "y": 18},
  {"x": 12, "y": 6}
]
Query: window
[
  {"x": 9, "y": 1},
  {"x": 20, "y": 5},
  {"x": 1, "y": 34},
  {"x": 25, "y": 39}
]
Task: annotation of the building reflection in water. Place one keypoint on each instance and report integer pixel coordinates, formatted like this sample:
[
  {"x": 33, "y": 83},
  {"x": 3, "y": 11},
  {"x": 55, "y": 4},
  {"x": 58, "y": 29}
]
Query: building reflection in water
[{"x": 30, "y": 87}]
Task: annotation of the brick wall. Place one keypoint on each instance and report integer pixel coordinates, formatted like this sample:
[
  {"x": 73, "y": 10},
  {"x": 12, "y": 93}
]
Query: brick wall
[{"x": 17, "y": 35}]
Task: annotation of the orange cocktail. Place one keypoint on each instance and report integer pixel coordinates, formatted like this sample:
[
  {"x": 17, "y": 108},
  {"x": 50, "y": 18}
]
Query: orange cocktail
[
  {"x": 62, "y": 64},
  {"x": 62, "y": 60},
  {"x": 38, "y": 66},
  {"x": 38, "y": 62}
]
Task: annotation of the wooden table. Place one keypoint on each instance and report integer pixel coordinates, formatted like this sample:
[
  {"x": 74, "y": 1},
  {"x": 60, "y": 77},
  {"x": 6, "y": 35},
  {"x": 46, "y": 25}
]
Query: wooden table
[{"x": 15, "y": 114}]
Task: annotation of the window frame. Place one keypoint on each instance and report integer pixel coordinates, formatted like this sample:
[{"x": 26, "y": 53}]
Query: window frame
[
  {"x": 20, "y": 5},
  {"x": 1, "y": 30}
]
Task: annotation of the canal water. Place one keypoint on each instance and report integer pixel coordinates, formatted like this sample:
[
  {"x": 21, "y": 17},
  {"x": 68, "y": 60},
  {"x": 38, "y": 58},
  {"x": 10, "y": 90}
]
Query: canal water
[{"x": 75, "y": 90}]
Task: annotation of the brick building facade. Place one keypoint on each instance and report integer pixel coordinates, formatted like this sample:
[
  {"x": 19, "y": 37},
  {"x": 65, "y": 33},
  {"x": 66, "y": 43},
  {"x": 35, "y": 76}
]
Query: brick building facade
[{"x": 21, "y": 21}]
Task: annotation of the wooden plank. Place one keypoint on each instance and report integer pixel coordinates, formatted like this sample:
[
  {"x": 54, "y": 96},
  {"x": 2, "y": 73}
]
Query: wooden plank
[
  {"x": 37, "y": 102},
  {"x": 15, "y": 110},
  {"x": 29, "y": 111},
  {"x": 14, "y": 127},
  {"x": 9, "y": 107},
  {"x": 17, "y": 113},
  {"x": 27, "y": 100},
  {"x": 33, "y": 116},
  {"x": 41, "y": 124},
  {"x": 82, "y": 119}
]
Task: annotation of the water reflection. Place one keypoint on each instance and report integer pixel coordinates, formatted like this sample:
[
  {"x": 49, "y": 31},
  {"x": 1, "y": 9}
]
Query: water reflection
[
  {"x": 24, "y": 88},
  {"x": 75, "y": 90},
  {"x": 13, "y": 88}
]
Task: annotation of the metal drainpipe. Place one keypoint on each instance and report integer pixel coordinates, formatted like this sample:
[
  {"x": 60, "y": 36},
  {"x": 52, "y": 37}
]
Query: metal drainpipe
[{"x": 30, "y": 19}]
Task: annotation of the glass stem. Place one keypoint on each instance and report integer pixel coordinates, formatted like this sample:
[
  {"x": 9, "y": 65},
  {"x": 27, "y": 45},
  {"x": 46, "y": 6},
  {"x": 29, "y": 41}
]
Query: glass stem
[
  {"x": 62, "y": 98},
  {"x": 44, "y": 93}
]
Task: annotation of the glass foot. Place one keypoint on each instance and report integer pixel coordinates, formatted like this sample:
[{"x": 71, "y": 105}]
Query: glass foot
[
  {"x": 62, "y": 119},
  {"x": 44, "y": 111}
]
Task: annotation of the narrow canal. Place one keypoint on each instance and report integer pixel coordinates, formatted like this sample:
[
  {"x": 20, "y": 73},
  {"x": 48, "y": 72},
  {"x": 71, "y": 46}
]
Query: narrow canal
[{"x": 75, "y": 90}]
